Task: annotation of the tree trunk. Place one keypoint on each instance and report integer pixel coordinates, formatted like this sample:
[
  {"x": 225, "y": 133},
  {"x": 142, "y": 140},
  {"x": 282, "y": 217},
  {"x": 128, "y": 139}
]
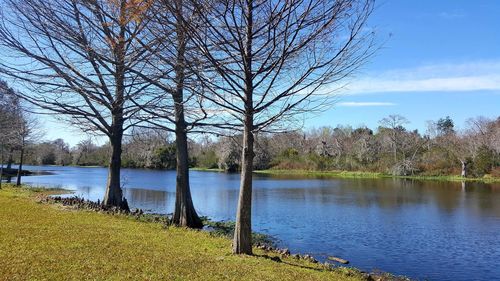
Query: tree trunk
[
  {"x": 242, "y": 243},
  {"x": 184, "y": 213},
  {"x": 9, "y": 165},
  {"x": 464, "y": 168},
  {"x": 1, "y": 164},
  {"x": 9, "y": 160},
  {"x": 20, "y": 168},
  {"x": 395, "y": 148},
  {"x": 114, "y": 193}
]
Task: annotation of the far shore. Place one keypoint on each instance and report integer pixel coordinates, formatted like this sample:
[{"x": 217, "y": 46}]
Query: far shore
[
  {"x": 361, "y": 175},
  {"x": 334, "y": 174}
]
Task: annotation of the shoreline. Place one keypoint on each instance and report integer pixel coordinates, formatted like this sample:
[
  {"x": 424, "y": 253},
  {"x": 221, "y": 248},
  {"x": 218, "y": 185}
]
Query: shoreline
[
  {"x": 360, "y": 175},
  {"x": 330, "y": 174}
]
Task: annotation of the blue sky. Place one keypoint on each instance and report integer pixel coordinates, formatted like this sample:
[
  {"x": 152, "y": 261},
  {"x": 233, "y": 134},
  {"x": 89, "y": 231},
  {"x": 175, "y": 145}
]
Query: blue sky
[
  {"x": 442, "y": 58},
  {"x": 439, "y": 58}
]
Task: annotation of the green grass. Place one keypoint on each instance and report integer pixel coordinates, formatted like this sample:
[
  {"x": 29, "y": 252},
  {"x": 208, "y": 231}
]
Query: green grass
[
  {"x": 207, "y": 169},
  {"x": 370, "y": 175},
  {"x": 47, "y": 242},
  {"x": 339, "y": 174},
  {"x": 485, "y": 179}
]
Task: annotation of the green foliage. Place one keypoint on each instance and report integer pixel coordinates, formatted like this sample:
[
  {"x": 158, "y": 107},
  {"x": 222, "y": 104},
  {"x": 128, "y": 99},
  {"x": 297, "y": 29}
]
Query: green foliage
[
  {"x": 445, "y": 126},
  {"x": 289, "y": 159},
  {"x": 483, "y": 162},
  {"x": 49, "y": 158},
  {"x": 321, "y": 162},
  {"x": 290, "y": 153},
  {"x": 207, "y": 159},
  {"x": 165, "y": 157},
  {"x": 128, "y": 162}
]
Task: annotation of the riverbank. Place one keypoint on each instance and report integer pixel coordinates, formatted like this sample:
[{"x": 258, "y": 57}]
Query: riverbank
[
  {"x": 340, "y": 174},
  {"x": 371, "y": 175},
  {"x": 47, "y": 241},
  {"x": 358, "y": 174}
]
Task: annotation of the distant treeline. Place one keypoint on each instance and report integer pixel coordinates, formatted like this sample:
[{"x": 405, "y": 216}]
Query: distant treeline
[{"x": 391, "y": 148}]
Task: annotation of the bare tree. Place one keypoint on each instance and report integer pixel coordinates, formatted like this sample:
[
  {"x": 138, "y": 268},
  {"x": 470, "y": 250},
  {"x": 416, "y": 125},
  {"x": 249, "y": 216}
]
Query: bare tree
[
  {"x": 9, "y": 112},
  {"x": 228, "y": 153},
  {"x": 395, "y": 123},
  {"x": 177, "y": 106},
  {"x": 142, "y": 147},
  {"x": 26, "y": 132},
  {"x": 76, "y": 58},
  {"x": 271, "y": 60},
  {"x": 460, "y": 147}
]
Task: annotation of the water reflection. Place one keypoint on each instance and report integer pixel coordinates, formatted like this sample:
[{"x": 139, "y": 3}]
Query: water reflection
[
  {"x": 149, "y": 200},
  {"x": 424, "y": 229}
]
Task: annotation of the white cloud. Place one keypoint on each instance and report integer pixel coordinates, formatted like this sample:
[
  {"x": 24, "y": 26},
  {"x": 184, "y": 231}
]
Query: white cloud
[
  {"x": 456, "y": 14},
  {"x": 358, "y": 104},
  {"x": 477, "y": 76}
]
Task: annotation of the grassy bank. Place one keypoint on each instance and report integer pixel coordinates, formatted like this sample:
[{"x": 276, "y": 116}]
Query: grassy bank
[
  {"x": 338, "y": 174},
  {"x": 358, "y": 174},
  {"x": 207, "y": 169},
  {"x": 49, "y": 242},
  {"x": 371, "y": 175}
]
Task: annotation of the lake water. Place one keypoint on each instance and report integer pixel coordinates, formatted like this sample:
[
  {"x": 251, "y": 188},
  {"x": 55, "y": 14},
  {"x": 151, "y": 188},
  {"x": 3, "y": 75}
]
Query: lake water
[{"x": 421, "y": 229}]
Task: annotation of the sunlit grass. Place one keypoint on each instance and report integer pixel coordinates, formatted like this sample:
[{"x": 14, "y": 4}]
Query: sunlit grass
[
  {"x": 207, "y": 169},
  {"x": 370, "y": 175},
  {"x": 339, "y": 174},
  {"x": 47, "y": 242}
]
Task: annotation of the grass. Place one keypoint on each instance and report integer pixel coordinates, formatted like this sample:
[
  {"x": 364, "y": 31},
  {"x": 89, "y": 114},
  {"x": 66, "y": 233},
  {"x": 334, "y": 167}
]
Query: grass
[
  {"x": 48, "y": 242},
  {"x": 339, "y": 174},
  {"x": 485, "y": 179},
  {"x": 370, "y": 175},
  {"x": 207, "y": 169}
]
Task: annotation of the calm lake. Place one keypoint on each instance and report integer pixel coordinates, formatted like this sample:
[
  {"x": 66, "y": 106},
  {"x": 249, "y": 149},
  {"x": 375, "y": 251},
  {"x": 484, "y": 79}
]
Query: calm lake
[{"x": 421, "y": 229}]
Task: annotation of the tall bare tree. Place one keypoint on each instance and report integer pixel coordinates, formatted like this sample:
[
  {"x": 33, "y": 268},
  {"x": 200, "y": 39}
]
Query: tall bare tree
[
  {"x": 271, "y": 60},
  {"x": 177, "y": 106},
  {"x": 76, "y": 59},
  {"x": 26, "y": 132},
  {"x": 9, "y": 113},
  {"x": 395, "y": 123}
]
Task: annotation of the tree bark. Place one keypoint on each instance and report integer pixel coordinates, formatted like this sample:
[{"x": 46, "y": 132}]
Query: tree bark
[
  {"x": 184, "y": 213},
  {"x": 464, "y": 168},
  {"x": 242, "y": 243},
  {"x": 9, "y": 160},
  {"x": 1, "y": 164},
  {"x": 395, "y": 148},
  {"x": 20, "y": 168},
  {"x": 9, "y": 165},
  {"x": 114, "y": 193}
]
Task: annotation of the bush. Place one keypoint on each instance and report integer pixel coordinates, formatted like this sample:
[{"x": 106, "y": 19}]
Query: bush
[
  {"x": 207, "y": 159},
  {"x": 165, "y": 157},
  {"x": 483, "y": 162}
]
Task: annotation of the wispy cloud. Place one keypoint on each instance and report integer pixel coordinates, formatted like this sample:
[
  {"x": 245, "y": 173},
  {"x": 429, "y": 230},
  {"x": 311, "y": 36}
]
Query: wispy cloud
[
  {"x": 477, "y": 76},
  {"x": 358, "y": 104},
  {"x": 456, "y": 14}
]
